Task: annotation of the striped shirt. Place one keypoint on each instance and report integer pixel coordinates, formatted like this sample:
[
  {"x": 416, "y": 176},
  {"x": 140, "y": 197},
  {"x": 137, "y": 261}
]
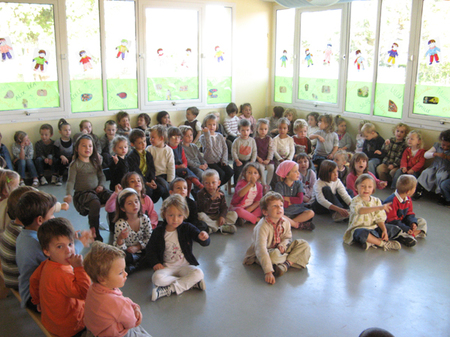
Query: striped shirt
[{"x": 8, "y": 254}]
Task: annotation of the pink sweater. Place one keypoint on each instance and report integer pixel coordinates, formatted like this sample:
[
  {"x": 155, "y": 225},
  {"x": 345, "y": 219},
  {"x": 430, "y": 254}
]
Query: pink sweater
[
  {"x": 107, "y": 312},
  {"x": 351, "y": 178},
  {"x": 238, "y": 201}
]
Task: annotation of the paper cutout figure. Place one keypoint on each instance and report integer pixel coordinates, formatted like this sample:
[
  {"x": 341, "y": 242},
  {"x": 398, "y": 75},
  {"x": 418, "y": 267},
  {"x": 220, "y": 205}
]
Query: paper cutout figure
[
  {"x": 25, "y": 103},
  {"x": 9, "y": 94},
  {"x": 283, "y": 59},
  {"x": 430, "y": 100},
  {"x": 392, "y": 106},
  {"x": 185, "y": 62},
  {"x": 40, "y": 61},
  {"x": 363, "y": 92},
  {"x": 212, "y": 93},
  {"x": 308, "y": 57},
  {"x": 219, "y": 54},
  {"x": 328, "y": 52},
  {"x": 86, "y": 97},
  {"x": 5, "y": 49},
  {"x": 85, "y": 60},
  {"x": 122, "y": 49},
  {"x": 122, "y": 95},
  {"x": 306, "y": 87},
  {"x": 433, "y": 52},
  {"x": 393, "y": 53},
  {"x": 42, "y": 92},
  {"x": 168, "y": 95},
  {"x": 283, "y": 89},
  {"x": 359, "y": 61}
]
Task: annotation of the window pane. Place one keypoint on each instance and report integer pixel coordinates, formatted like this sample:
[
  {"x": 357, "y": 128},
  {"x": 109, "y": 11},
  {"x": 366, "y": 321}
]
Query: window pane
[
  {"x": 120, "y": 55},
  {"x": 172, "y": 54},
  {"x": 392, "y": 58},
  {"x": 319, "y": 55},
  {"x": 85, "y": 67},
  {"x": 284, "y": 51},
  {"x": 218, "y": 53},
  {"x": 363, "y": 25},
  {"x": 28, "y": 68},
  {"x": 432, "y": 94}
]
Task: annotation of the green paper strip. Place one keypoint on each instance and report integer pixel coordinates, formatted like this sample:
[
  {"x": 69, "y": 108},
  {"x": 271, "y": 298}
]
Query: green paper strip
[
  {"x": 318, "y": 89},
  {"x": 172, "y": 88},
  {"x": 29, "y": 95},
  {"x": 122, "y": 94},
  {"x": 219, "y": 90},
  {"x": 80, "y": 99},
  {"x": 283, "y": 89}
]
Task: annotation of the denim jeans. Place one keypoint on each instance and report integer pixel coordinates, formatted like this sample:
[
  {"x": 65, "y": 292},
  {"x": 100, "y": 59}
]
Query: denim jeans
[
  {"x": 23, "y": 164},
  {"x": 5, "y": 154},
  {"x": 335, "y": 199},
  {"x": 445, "y": 189},
  {"x": 373, "y": 163},
  {"x": 41, "y": 166},
  {"x": 360, "y": 235}
]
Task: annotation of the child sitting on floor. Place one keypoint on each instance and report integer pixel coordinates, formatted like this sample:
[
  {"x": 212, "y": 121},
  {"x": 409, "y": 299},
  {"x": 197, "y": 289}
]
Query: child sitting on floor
[
  {"x": 272, "y": 246},
  {"x": 345, "y": 140},
  {"x": 328, "y": 142},
  {"x": 22, "y": 152},
  {"x": 9, "y": 181},
  {"x": 196, "y": 162},
  {"x": 291, "y": 115},
  {"x": 313, "y": 126},
  {"x": 107, "y": 312},
  {"x": 307, "y": 175},
  {"x": 231, "y": 122},
  {"x": 63, "y": 151},
  {"x": 340, "y": 158},
  {"x": 367, "y": 219},
  {"x": 191, "y": 120},
  {"x": 373, "y": 146},
  {"x": 123, "y": 121},
  {"x": 358, "y": 166},
  {"x": 302, "y": 142},
  {"x": 119, "y": 165},
  {"x": 105, "y": 142},
  {"x": 163, "y": 119},
  {"x": 170, "y": 251},
  {"x": 245, "y": 112},
  {"x": 283, "y": 145},
  {"x": 273, "y": 121},
  {"x": 264, "y": 146},
  {"x": 59, "y": 285},
  {"x": 86, "y": 129},
  {"x": 244, "y": 149},
  {"x": 44, "y": 152}
]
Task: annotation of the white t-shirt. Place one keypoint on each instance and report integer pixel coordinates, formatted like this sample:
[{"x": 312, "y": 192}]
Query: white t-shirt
[
  {"x": 250, "y": 197},
  {"x": 173, "y": 256}
]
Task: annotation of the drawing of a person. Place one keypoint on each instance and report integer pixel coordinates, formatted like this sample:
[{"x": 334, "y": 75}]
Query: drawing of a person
[
  {"x": 328, "y": 52},
  {"x": 85, "y": 60},
  {"x": 122, "y": 49},
  {"x": 393, "y": 53},
  {"x": 4, "y": 49},
  {"x": 185, "y": 62},
  {"x": 40, "y": 60},
  {"x": 308, "y": 57},
  {"x": 359, "y": 60},
  {"x": 433, "y": 52},
  {"x": 283, "y": 59},
  {"x": 219, "y": 54}
]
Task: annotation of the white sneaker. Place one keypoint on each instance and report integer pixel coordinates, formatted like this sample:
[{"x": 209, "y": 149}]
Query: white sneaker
[
  {"x": 230, "y": 229},
  {"x": 337, "y": 217},
  {"x": 200, "y": 285},
  {"x": 43, "y": 181},
  {"x": 158, "y": 292},
  {"x": 35, "y": 182},
  {"x": 22, "y": 183},
  {"x": 391, "y": 245},
  {"x": 54, "y": 180},
  {"x": 406, "y": 239},
  {"x": 367, "y": 245},
  {"x": 59, "y": 182}
]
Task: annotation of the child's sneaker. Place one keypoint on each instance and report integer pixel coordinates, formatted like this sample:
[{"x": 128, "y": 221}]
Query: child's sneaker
[
  {"x": 59, "y": 182},
  {"x": 159, "y": 292},
  {"x": 200, "y": 285},
  {"x": 421, "y": 235},
  {"x": 406, "y": 239},
  {"x": 54, "y": 180},
  {"x": 22, "y": 183},
  {"x": 230, "y": 229},
  {"x": 44, "y": 181},
  {"x": 337, "y": 217},
  {"x": 366, "y": 245},
  {"x": 240, "y": 222},
  {"x": 307, "y": 226},
  {"x": 391, "y": 245},
  {"x": 35, "y": 182},
  {"x": 279, "y": 269}
]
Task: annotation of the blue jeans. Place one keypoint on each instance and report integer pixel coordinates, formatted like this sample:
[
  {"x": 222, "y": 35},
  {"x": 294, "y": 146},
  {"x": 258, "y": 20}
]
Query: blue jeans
[
  {"x": 373, "y": 163},
  {"x": 41, "y": 166},
  {"x": 5, "y": 154},
  {"x": 397, "y": 175},
  {"x": 23, "y": 164},
  {"x": 445, "y": 189},
  {"x": 360, "y": 235}
]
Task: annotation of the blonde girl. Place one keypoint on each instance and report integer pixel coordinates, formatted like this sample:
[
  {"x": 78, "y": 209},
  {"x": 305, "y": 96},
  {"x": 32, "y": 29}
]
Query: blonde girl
[
  {"x": 341, "y": 158},
  {"x": 345, "y": 140},
  {"x": 360, "y": 138},
  {"x": 328, "y": 140},
  {"x": 248, "y": 193},
  {"x": 283, "y": 144},
  {"x": 9, "y": 181},
  {"x": 119, "y": 166},
  {"x": 245, "y": 112},
  {"x": 132, "y": 227},
  {"x": 302, "y": 142},
  {"x": 86, "y": 178},
  {"x": 23, "y": 152},
  {"x": 264, "y": 144},
  {"x": 291, "y": 188},
  {"x": 291, "y": 115}
]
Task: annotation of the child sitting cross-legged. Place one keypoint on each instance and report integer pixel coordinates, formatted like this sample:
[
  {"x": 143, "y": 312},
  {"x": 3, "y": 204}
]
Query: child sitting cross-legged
[
  {"x": 107, "y": 312},
  {"x": 367, "y": 219},
  {"x": 119, "y": 165},
  {"x": 195, "y": 160},
  {"x": 170, "y": 251},
  {"x": 59, "y": 285},
  {"x": 307, "y": 175},
  {"x": 264, "y": 146},
  {"x": 359, "y": 164},
  {"x": 272, "y": 246},
  {"x": 244, "y": 148}
]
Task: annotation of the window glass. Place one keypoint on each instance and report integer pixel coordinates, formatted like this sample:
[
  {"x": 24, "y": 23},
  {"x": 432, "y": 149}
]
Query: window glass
[
  {"x": 432, "y": 92},
  {"x": 28, "y": 68},
  {"x": 392, "y": 57},
  {"x": 320, "y": 37},
  {"x": 85, "y": 66},
  {"x": 284, "y": 55},
  {"x": 120, "y": 58},
  {"x": 363, "y": 25}
]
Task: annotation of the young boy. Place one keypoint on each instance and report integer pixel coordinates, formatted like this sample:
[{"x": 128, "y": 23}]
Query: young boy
[
  {"x": 123, "y": 121},
  {"x": 272, "y": 246},
  {"x": 231, "y": 122},
  {"x": 244, "y": 149},
  {"x": 196, "y": 162},
  {"x": 302, "y": 142},
  {"x": 372, "y": 147},
  {"x": 215, "y": 149},
  {"x": 105, "y": 142},
  {"x": 143, "y": 123},
  {"x": 191, "y": 120},
  {"x": 141, "y": 161},
  {"x": 59, "y": 285},
  {"x": 402, "y": 214},
  {"x": 43, "y": 150},
  {"x": 212, "y": 206},
  {"x": 163, "y": 158},
  {"x": 179, "y": 186}
]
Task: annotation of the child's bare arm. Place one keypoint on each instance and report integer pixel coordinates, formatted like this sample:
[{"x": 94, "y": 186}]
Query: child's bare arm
[
  {"x": 269, "y": 278},
  {"x": 366, "y": 210},
  {"x": 158, "y": 267}
]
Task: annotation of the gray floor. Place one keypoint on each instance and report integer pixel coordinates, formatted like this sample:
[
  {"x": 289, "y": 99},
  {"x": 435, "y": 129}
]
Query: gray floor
[{"x": 343, "y": 290}]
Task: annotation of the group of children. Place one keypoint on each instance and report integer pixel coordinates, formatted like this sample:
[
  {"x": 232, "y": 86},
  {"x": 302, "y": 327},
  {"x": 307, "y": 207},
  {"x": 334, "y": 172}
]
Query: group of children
[{"x": 40, "y": 253}]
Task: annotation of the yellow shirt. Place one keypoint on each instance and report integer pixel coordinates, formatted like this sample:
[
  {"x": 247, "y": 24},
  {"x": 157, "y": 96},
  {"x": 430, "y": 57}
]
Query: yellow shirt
[{"x": 143, "y": 163}]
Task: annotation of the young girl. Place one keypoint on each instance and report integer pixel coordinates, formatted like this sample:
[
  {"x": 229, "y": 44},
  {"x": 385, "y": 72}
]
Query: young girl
[
  {"x": 245, "y": 112},
  {"x": 119, "y": 166},
  {"x": 196, "y": 162},
  {"x": 340, "y": 158},
  {"x": 63, "y": 151},
  {"x": 345, "y": 140},
  {"x": 248, "y": 193},
  {"x": 22, "y": 151},
  {"x": 107, "y": 312},
  {"x": 170, "y": 251},
  {"x": 367, "y": 219},
  {"x": 438, "y": 172},
  {"x": 291, "y": 115},
  {"x": 359, "y": 164},
  {"x": 86, "y": 129},
  {"x": 87, "y": 178},
  {"x": 9, "y": 181},
  {"x": 273, "y": 121},
  {"x": 132, "y": 229},
  {"x": 135, "y": 181},
  {"x": 302, "y": 142},
  {"x": 105, "y": 142},
  {"x": 313, "y": 120},
  {"x": 291, "y": 188},
  {"x": 328, "y": 142},
  {"x": 307, "y": 175},
  {"x": 163, "y": 118},
  {"x": 283, "y": 145},
  {"x": 330, "y": 195},
  {"x": 413, "y": 158},
  {"x": 123, "y": 121},
  {"x": 360, "y": 138},
  {"x": 264, "y": 145}
]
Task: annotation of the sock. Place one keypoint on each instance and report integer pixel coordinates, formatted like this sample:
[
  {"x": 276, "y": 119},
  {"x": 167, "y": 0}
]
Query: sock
[
  {"x": 197, "y": 183},
  {"x": 287, "y": 264}
]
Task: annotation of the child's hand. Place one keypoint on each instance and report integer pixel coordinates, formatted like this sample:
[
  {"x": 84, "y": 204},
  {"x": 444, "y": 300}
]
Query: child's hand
[
  {"x": 404, "y": 169},
  {"x": 50, "y": 162},
  {"x": 65, "y": 206},
  {"x": 387, "y": 142},
  {"x": 84, "y": 131},
  {"x": 281, "y": 248},
  {"x": 152, "y": 185},
  {"x": 442, "y": 155},
  {"x": 85, "y": 237},
  {"x": 410, "y": 172},
  {"x": 216, "y": 194},
  {"x": 391, "y": 167},
  {"x": 266, "y": 162},
  {"x": 76, "y": 260},
  {"x": 387, "y": 207},
  {"x": 413, "y": 226},
  {"x": 182, "y": 166},
  {"x": 270, "y": 278},
  {"x": 68, "y": 198},
  {"x": 116, "y": 160},
  {"x": 133, "y": 249},
  {"x": 321, "y": 139},
  {"x": 205, "y": 130},
  {"x": 138, "y": 315},
  {"x": 343, "y": 212},
  {"x": 383, "y": 184},
  {"x": 203, "y": 167},
  {"x": 64, "y": 160},
  {"x": 330, "y": 156},
  {"x": 203, "y": 236},
  {"x": 377, "y": 152},
  {"x": 123, "y": 234},
  {"x": 39, "y": 308},
  {"x": 259, "y": 160},
  {"x": 99, "y": 189},
  {"x": 253, "y": 180},
  {"x": 221, "y": 221},
  {"x": 158, "y": 267},
  {"x": 118, "y": 189},
  {"x": 238, "y": 162},
  {"x": 384, "y": 236}
]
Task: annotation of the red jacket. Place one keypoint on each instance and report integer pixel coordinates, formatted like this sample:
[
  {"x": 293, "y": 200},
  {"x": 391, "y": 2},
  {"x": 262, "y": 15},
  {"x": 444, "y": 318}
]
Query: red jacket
[{"x": 415, "y": 163}]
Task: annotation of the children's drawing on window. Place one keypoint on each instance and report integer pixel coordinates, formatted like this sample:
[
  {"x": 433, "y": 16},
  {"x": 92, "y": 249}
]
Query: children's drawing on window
[
  {"x": 219, "y": 54},
  {"x": 187, "y": 57},
  {"x": 432, "y": 52},
  {"x": 122, "y": 49},
  {"x": 393, "y": 54},
  {"x": 6, "y": 48},
  {"x": 308, "y": 57},
  {"x": 359, "y": 61},
  {"x": 284, "y": 59},
  {"x": 328, "y": 52},
  {"x": 85, "y": 60},
  {"x": 40, "y": 61}
]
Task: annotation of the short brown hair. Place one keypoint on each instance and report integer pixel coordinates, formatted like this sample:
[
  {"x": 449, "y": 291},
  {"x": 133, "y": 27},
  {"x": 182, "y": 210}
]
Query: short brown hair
[
  {"x": 13, "y": 199},
  {"x": 135, "y": 134},
  {"x": 405, "y": 183},
  {"x": 326, "y": 167},
  {"x": 33, "y": 204},
  {"x": 365, "y": 176},
  {"x": 300, "y": 124},
  {"x": 146, "y": 117},
  {"x": 176, "y": 201},
  {"x": 121, "y": 115},
  {"x": 184, "y": 129},
  {"x": 194, "y": 110},
  {"x": 55, "y": 228},
  {"x": 400, "y": 125},
  {"x": 19, "y": 136},
  {"x": 327, "y": 118},
  {"x": 47, "y": 127},
  {"x": 99, "y": 260},
  {"x": 176, "y": 180},
  {"x": 268, "y": 198},
  {"x": 356, "y": 158},
  {"x": 159, "y": 129}
]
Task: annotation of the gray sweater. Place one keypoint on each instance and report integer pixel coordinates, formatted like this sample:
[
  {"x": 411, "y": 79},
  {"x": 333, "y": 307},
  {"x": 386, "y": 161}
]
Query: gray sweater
[
  {"x": 193, "y": 155},
  {"x": 83, "y": 176},
  {"x": 214, "y": 148}
]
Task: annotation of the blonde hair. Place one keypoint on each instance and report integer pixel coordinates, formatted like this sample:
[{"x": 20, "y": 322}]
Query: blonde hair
[
  {"x": 6, "y": 178},
  {"x": 283, "y": 120},
  {"x": 368, "y": 128},
  {"x": 300, "y": 124},
  {"x": 400, "y": 125},
  {"x": 341, "y": 153},
  {"x": 210, "y": 173},
  {"x": 99, "y": 260},
  {"x": 366, "y": 176},
  {"x": 290, "y": 111},
  {"x": 405, "y": 183},
  {"x": 177, "y": 201},
  {"x": 268, "y": 198},
  {"x": 184, "y": 129},
  {"x": 419, "y": 136},
  {"x": 329, "y": 120},
  {"x": 262, "y": 121},
  {"x": 361, "y": 124}
]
